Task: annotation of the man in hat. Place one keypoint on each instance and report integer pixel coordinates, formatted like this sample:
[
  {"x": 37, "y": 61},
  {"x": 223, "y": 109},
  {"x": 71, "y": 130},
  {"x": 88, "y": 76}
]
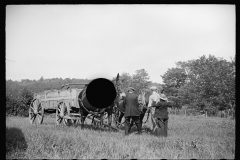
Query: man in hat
[
  {"x": 161, "y": 116},
  {"x": 132, "y": 111}
]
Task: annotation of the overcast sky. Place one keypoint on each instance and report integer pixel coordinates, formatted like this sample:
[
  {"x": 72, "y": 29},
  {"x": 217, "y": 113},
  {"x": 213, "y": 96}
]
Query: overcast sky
[{"x": 93, "y": 41}]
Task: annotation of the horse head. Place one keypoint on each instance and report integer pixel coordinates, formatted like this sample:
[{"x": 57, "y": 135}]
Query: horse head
[
  {"x": 117, "y": 83},
  {"x": 141, "y": 98}
]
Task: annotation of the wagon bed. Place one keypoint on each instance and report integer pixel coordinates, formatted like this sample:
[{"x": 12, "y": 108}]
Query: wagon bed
[
  {"x": 54, "y": 100},
  {"x": 51, "y": 98}
]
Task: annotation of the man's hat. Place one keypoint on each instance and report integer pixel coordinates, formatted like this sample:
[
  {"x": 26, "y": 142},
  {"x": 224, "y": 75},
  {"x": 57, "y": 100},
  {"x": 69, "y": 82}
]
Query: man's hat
[
  {"x": 163, "y": 97},
  {"x": 153, "y": 88},
  {"x": 131, "y": 88}
]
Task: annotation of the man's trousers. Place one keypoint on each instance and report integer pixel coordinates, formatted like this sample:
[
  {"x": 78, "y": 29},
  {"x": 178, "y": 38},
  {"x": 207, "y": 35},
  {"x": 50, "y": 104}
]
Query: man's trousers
[
  {"x": 128, "y": 125},
  {"x": 160, "y": 127}
]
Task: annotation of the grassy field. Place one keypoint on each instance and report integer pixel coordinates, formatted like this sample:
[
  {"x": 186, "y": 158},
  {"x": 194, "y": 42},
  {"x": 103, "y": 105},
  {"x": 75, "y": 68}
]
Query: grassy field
[{"x": 188, "y": 137}]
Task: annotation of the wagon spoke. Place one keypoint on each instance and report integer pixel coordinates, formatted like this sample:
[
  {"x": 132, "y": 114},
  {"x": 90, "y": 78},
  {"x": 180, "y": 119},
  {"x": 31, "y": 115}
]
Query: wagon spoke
[
  {"x": 31, "y": 107},
  {"x": 59, "y": 119},
  {"x": 40, "y": 109},
  {"x": 32, "y": 116},
  {"x": 39, "y": 117},
  {"x": 66, "y": 121}
]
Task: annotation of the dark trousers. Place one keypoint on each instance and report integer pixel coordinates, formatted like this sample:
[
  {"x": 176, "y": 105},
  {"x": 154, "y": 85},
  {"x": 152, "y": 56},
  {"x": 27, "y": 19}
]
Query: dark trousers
[
  {"x": 128, "y": 125},
  {"x": 162, "y": 127}
]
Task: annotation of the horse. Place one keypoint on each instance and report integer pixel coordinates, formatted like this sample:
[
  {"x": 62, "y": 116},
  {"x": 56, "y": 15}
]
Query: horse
[
  {"x": 85, "y": 107},
  {"x": 146, "y": 95},
  {"x": 119, "y": 110},
  {"x": 143, "y": 99},
  {"x": 109, "y": 110}
]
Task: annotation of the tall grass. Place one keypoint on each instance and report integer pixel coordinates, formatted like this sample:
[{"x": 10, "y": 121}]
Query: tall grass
[{"x": 188, "y": 137}]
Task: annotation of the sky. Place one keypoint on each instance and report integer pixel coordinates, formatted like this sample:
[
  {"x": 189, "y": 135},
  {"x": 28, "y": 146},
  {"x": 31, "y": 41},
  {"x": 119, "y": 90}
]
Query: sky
[{"x": 99, "y": 41}]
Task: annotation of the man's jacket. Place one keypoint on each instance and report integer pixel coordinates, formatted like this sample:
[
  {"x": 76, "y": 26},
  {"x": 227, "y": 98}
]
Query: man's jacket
[
  {"x": 161, "y": 110},
  {"x": 131, "y": 105}
]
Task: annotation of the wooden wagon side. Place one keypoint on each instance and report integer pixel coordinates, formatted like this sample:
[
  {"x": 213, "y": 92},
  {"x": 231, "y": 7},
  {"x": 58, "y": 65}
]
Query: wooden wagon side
[{"x": 60, "y": 101}]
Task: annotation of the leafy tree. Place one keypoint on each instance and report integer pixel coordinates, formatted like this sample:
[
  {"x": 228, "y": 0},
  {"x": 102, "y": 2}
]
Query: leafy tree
[
  {"x": 126, "y": 81},
  {"x": 140, "y": 80},
  {"x": 19, "y": 105},
  {"x": 173, "y": 80},
  {"x": 175, "y": 77},
  {"x": 210, "y": 82}
]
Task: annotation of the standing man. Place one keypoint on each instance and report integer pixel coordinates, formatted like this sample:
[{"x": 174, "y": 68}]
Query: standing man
[
  {"x": 161, "y": 115},
  {"x": 132, "y": 111}
]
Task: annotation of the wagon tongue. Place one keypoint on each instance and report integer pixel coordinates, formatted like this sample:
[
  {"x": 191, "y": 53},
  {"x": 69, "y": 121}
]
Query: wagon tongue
[{"x": 101, "y": 93}]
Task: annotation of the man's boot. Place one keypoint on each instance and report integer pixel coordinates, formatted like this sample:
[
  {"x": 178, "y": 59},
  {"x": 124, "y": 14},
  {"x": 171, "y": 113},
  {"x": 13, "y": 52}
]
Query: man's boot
[
  {"x": 139, "y": 126},
  {"x": 130, "y": 126},
  {"x": 127, "y": 125}
]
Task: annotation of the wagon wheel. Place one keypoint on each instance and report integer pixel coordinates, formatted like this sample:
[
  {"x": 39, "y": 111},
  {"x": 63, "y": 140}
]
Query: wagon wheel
[
  {"x": 32, "y": 115},
  {"x": 61, "y": 111},
  {"x": 36, "y": 110}
]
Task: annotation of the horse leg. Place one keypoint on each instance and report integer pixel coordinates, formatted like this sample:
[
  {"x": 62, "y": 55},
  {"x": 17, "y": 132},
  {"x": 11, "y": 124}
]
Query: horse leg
[
  {"x": 116, "y": 117},
  {"x": 83, "y": 117},
  {"x": 142, "y": 115},
  {"x": 101, "y": 120},
  {"x": 120, "y": 118},
  {"x": 93, "y": 122},
  {"x": 109, "y": 120},
  {"x": 82, "y": 122}
]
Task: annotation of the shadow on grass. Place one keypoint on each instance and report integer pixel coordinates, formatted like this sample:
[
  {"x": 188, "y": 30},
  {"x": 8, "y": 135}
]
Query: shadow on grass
[{"x": 15, "y": 140}]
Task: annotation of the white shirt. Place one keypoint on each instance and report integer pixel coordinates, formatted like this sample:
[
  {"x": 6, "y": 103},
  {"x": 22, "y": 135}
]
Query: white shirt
[{"x": 154, "y": 97}]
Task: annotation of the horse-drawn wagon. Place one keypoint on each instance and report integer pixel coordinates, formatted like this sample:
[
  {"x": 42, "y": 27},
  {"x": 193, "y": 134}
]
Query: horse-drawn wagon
[
  {"x": 72, "y": 105},
  {"x": 62, "y": 101}
]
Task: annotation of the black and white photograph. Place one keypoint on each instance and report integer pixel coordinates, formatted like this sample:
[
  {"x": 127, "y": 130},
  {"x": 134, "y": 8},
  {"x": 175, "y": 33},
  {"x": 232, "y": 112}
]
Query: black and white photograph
[{"x": 120, "y": 81}]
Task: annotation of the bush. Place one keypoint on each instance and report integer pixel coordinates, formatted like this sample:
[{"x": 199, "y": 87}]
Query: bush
[{"x": 19, "y": 105}]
